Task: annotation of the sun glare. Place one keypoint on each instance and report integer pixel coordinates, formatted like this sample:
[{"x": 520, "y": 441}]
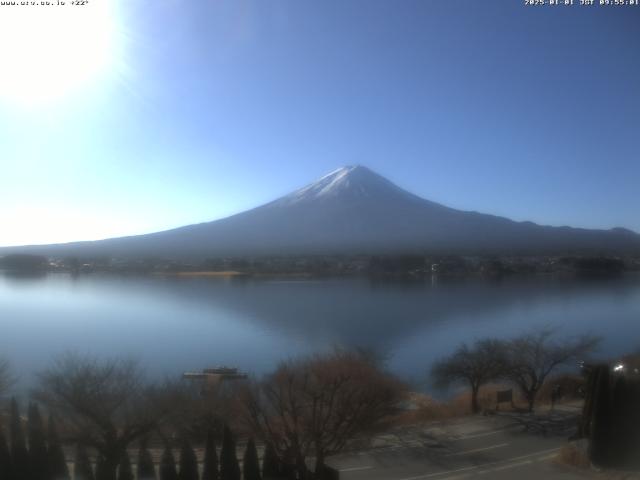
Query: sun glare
[{"x": 49, "y": 49}]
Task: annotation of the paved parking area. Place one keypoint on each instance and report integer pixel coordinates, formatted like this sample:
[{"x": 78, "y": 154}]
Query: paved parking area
[{"x": 492, "y": 447}]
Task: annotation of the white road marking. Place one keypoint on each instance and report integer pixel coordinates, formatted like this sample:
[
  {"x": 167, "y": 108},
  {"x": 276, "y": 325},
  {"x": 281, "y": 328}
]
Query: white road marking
[
  {"x": 477, "y": 435},
  {"x": 355, "y": 469},
  {"x": 506, "y": 467},
  {"x": 475, "y": 467},
  {"x": 465, "y": 452},
  {"x": 489, "y": 470}
]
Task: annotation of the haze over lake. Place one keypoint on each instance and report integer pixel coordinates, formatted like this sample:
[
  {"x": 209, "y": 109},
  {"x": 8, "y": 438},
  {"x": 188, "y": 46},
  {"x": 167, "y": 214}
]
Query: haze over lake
[{"x": 177, "y": 324}]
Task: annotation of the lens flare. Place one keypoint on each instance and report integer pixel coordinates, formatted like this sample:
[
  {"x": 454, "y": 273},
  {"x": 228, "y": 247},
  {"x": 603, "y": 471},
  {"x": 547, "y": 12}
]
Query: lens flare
[{"x": 51, "y": 48}]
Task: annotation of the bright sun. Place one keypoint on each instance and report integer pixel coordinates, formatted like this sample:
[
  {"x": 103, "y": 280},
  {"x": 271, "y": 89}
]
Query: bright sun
[{"x": 47, "y": 51}]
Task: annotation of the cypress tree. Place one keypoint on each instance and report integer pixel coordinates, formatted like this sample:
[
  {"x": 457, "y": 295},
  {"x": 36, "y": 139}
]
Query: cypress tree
[
  {"x": 125, "y": 472},
  {"x": 56, "y": 461},
  {"x": 210, "y": 470},
  {"x": 188, "y": 462},
  {"x": 19, "y": 453},
  {"x": 270, "y": 463},
  {"x": 251, "y": 465},
  {"x": 229, "y": 468},
  {"x": 5, "y": 458},
  {"x": 38, "y": 459},
  {"x": 168, "y": 465},
  {"x": 102, "y": 469},
  {"x": 600, "y": 430},
  {"x": 82, "y": 465},
  {"x": 146, "y": 470}
]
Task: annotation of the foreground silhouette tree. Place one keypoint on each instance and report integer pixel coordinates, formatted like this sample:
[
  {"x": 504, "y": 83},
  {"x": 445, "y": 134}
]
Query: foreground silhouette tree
[
  {"x": 229, "y": 468},
  {"x": 146, "y": 469},
  {"x": 270, "y": 464},
  {"x": 532, "y": 357},
  {"x": 210, "y": 468},
  {"x": 168, "y": 465},
  {"x": 82, "y": 465},
  {"x": 106, "y": 402},
  {"x": 103, "y": 472},
  {"x": 485, "y": 361},
  {"x": 188, "y": 462},
  {"x": 19, "y": 454},
  {"x": 316, "y": 405},
  {"x": 38, "y": 459},
  {"x": 125, "y": 472},
  {"x": 56, "y": 461},
  {"x": 251, "y": 465},
  {"x": 5, "y": 458}
]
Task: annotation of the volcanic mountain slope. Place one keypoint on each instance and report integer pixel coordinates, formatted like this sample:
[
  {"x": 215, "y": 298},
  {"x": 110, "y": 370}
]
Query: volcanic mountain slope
[{"x": 353, "y": 210}]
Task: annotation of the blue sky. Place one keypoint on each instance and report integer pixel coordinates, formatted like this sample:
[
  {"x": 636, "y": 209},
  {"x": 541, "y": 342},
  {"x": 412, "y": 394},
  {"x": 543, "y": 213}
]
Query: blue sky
[{"x": 172, "y": 112}]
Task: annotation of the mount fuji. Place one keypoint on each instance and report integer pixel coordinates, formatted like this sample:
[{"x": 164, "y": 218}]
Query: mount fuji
[{"x": 353, "y": 210}]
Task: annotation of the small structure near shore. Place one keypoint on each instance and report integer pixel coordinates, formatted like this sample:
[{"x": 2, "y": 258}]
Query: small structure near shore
[{"x": 213, "y": 376}]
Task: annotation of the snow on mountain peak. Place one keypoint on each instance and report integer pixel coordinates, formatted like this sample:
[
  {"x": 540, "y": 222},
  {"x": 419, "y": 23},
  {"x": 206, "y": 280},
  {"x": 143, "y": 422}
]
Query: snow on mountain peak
[{"x": 351, "y": 181}]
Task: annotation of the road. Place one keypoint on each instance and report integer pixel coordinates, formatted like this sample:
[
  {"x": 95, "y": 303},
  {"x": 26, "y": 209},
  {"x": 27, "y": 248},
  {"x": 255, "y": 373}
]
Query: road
[{"x": 486, "y": 447}]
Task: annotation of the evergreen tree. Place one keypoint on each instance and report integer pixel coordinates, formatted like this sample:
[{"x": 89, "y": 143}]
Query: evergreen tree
[
  {"x": 5, "y": 458},
  {"x": 270, "y": 463},
  {"x": 56, "y": 461},
  {"x": 102, "y": 469},
  {"x": 168, "y": 465},
  {"x": 125, "y": 472},
  {"x": 210, "y": 470},
  {"x": 146, "y": 470},
  {"x": 82, "y": 465},
  {"x": 229, "y": 468},
  {"x": 19, "y": 453},
  {"x": 38, "y": 459},
  {"x": 188, "y": 462},
  {"x": 251, "y": 465},
  {"x": 600, "y": 439}
]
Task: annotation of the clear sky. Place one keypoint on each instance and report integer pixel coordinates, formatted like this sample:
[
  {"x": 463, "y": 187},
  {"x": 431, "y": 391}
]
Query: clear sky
[{"x": 129, "y": 117}]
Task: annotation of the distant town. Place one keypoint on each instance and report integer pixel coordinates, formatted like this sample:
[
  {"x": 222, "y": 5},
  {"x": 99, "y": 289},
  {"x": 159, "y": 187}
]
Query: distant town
[{"x": 400, "y": 265}]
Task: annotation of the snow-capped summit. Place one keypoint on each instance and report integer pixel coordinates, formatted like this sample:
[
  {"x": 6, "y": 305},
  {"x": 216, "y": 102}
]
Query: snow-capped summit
[
  {"x": 353, "y": 210},
  {"x": 345, "y": 183}
]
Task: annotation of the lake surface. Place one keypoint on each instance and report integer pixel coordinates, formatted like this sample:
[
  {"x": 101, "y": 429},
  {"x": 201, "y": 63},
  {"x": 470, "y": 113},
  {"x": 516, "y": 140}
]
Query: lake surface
[{"x": 178, "y": 324}]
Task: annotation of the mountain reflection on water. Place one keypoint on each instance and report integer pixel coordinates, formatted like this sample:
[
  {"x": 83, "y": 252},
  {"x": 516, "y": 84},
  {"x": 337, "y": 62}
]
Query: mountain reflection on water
[{"x": 175, "y": 324}]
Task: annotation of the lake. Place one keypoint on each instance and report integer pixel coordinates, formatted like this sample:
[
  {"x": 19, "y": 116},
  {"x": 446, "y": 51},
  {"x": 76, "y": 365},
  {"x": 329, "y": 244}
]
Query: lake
[{"x": 177, "y": 324}]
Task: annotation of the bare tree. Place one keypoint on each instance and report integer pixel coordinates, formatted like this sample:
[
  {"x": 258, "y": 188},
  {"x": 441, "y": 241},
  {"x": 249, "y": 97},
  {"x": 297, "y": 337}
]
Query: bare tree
[
  {"x": 197, "y": 411},
  {"x": 106, "y": 404},
  {"x": 532, "y": 357},
  {"x": 315, "y": 406},
  {"x": 486, "y": 360}
]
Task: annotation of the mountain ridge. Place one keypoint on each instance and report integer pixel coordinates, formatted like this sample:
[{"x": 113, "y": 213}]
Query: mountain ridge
[{"x": 352, "y": 210}]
